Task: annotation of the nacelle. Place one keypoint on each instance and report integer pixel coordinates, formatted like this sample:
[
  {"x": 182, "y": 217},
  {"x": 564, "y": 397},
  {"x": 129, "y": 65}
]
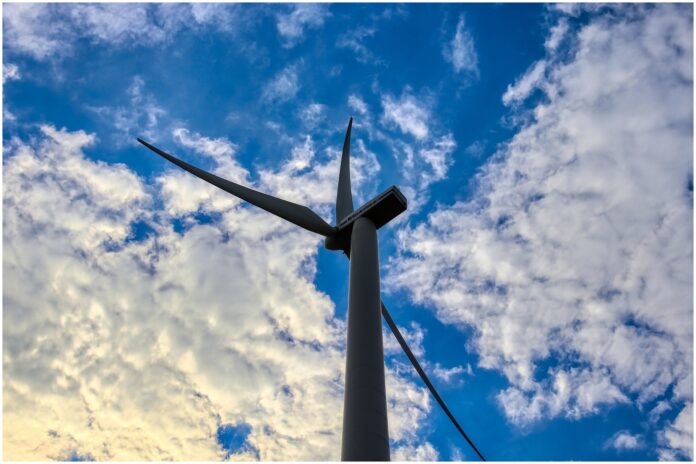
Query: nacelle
[{"x": 380, "y": 210}]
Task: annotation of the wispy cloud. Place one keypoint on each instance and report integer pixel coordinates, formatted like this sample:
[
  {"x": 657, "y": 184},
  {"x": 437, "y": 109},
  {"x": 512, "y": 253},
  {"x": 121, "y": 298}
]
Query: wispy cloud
[
  {"x": 578, "y": 240},
  {"x": 460, "y": 51},
  {"x": 300, "y": 17},
  {"x": 312, "y": 115},
  {"x": 427, "y": 157},
  {"x": 525, "y": 85},
  {"x": 283, "y": 87},
  {"x": 140, "y": 118},
  {"x": 358, "y": 104},
  {"x": 448, "y": 375},
  {"x": 354, "y": 40}
]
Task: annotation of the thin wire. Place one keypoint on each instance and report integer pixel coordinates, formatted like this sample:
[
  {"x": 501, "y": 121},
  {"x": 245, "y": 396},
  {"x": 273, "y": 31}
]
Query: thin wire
[{"x": 421, "y": 372}]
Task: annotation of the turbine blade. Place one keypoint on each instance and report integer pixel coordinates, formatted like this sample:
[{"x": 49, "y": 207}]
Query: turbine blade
[
  {"x": 297, "y": 214},
  {"x": 344, "y": 197},
  {"x": 424, "y": 377}
]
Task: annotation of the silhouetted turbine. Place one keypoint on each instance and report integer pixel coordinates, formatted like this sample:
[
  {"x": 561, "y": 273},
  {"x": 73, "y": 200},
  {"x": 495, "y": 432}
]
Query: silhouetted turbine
[{"x": 365, "y": 430}]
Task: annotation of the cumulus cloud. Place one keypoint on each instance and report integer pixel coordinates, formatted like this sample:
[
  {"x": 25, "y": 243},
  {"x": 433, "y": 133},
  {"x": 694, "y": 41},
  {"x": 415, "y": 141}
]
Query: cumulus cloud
[
  {"x": 283, "y": 86},
  {"x": 623, "y": 440},
  {"x": 292, "y": 25},
  {"x": 124, "y": 346},
  {"x": 461, "y": 52},
  {"x": 576, "y": 247}
]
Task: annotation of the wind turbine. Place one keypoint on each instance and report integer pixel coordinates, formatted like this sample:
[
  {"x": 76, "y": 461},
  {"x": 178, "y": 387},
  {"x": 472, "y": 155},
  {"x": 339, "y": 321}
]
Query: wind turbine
[{"x": 365, "y": 430}]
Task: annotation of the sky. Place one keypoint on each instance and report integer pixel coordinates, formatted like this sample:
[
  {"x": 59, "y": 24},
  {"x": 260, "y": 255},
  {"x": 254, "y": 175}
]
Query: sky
[{"x": 542, "y": 274}]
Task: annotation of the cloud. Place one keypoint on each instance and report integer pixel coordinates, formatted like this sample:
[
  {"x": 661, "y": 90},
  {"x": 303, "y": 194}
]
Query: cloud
[
  {"x": 354, "y": 38},
  {"x": 413, "y": 336},
  {"x": 283, "y": 87},
  {"x": 427, "y": 157},
  {"x": 304, "y": 168},
  {"x": 556, "y": 35},
  {"x": 678, "y": 437},
  {"x": 10, "y": 72},
  {"x": 449, "y": 375},
  {"x": 140, "y": 118},
  {"x": 51, "y": 31},
  {"x": 407, "y": 113},
  {"x": 358, "y": 104},
  {"x": 291, "y": 26},
  {"x": 523, "y": 87},
  {"x": 575, "y": 251},
  {"x": 461, "y": 52},
  {"x": 623, "y": 440},
  {"x": 120, "y": 345},
  {"x": 313, "y": 114},
  {"x": 424, "y": 452},
  {"x": 220, "y": 150}
]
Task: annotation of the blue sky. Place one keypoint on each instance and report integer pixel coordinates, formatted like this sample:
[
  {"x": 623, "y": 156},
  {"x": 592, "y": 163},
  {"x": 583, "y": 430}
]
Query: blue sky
[{"x": 542, "y": 274}]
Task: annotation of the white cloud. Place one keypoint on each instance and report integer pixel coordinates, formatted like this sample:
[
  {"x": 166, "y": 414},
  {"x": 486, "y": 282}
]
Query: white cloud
[
  {"x": 358, "y": 104},
  {"x": 623, "y": 440},
  {"x": 10, "y": 72},
  {"x": 577, "y": 245},
  {"x": 413, "y": 336},
  {"x": 313, "y": 114},
  {"x": 450, "y": 374},
  {"x": 424, "y": 159},
  {"x": 437, "y": 157},
  {"x": 220, "y": 150},
  {"x": 291, "y": 180},
  {"x": 283, "y": 87},
  {"x": 353, "y": 39},
  {"x": 424, "y": 452},
  {"x": 23, "y": 32},
  {"x": 556, "y": 35},
  {"x": 140, "y": 118},
  {"x": 407, "y": 113},
  {"x": 421, "y": 165},
  {"x": 476, "y": 149},
  {"x": 50, "y": 31},
  {"x": 525, "y": 85},
  {"x": 291, "y": 26},
  {"x": 461, "y": 52},
  {"x": 125, "y": 349},
  {"x": 678, "y": 437}
]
